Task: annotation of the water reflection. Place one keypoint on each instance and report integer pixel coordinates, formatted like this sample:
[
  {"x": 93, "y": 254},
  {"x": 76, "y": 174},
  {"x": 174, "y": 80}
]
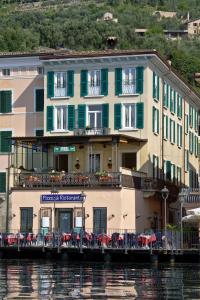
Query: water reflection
[{"x": 58, "y": 280}]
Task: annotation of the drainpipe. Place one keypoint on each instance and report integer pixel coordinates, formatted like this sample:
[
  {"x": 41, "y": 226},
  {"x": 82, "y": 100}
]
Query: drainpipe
[{"x": 8, "y": 193}]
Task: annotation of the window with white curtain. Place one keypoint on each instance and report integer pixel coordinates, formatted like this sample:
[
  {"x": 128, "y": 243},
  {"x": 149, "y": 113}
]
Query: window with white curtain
[
  {"x": 129, "y": 81},
  {"x": 60, "y": 84},
  {"x": 60, "y": 118},
  {"x": 129, "y": 115},
  {"x": 94, "y": 82}
]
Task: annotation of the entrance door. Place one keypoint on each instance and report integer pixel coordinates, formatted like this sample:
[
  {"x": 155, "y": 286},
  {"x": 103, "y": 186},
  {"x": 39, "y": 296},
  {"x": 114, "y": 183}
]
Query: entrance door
[
  {"x": 65, "y": 220},
  {"x": 26, "y": 219},
  {"x": 100, "y": 220},
  {"x": 62, "y": 162},
  {"x": 94, "y": 163}
]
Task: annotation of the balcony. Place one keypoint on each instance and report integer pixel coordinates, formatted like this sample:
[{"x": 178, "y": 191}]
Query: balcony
[
  {"x": 191, "y": 196},
  {"x": 91, "y": 131},
  {"x": 46, "y": 180},
  {"x": 128, "y": 88}
]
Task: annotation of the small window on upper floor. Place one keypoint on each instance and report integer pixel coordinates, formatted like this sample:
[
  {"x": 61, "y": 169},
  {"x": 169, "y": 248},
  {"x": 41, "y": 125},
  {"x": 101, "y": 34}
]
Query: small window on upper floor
[
  {"x": 129, "y": 81},
  {"x": 40, "y": 70},
  {"x": 94, "y": 83},
  {"x": 6, "y": 72},
  {"x": 60, "y": 84}
]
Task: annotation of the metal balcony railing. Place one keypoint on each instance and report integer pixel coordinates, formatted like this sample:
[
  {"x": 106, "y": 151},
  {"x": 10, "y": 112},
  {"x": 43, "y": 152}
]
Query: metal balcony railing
[
  {"x": 61, "y": 179},
  {"x": 92, "y": 131}
]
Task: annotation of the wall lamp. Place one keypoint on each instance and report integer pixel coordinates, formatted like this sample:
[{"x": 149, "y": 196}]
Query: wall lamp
[
  {"x": 125, "y": 215},
  {"x": 34, "y": 215}
]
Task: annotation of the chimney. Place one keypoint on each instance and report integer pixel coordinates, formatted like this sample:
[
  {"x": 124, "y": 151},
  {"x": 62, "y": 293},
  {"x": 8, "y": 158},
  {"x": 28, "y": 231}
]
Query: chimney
[
  {"x": 188, "y": 16},
  {"x": 111, "y": 42}
]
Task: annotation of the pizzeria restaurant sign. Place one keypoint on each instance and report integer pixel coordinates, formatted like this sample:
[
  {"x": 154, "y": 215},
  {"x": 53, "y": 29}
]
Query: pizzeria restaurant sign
[
  {"x": 67, "y": 149},
  {"x": 61, "y": 198}
]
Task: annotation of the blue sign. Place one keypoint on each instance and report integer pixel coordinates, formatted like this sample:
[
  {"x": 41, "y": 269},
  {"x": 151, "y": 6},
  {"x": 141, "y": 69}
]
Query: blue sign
[{"x": 61, "y": 198}]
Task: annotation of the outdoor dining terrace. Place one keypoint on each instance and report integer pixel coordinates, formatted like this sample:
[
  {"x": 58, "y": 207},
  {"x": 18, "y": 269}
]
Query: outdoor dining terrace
[{"x": 62, "y": 179}]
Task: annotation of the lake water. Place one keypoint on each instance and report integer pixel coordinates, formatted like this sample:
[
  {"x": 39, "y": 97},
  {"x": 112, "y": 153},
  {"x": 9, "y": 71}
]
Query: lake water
[{"x": 24, "y": 279}]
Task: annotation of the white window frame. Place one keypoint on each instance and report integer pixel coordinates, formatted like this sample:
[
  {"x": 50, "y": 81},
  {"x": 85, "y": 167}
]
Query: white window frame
[
  {"x": 156, "y": 166},
  {"x": 95, "y": 112},
  {"x": 60, "y": 92},
  {"x": 172, "y": 131},
  {"x": 179, "y": 136},
  {"x": 129, "y": 87},
  {"x": 62, "y": 114},
  {"x": 156, "y": 120},
  {"x": 179, "y": 175},
  {"x": 165, "y": 127},
  {"x": 173, "y": 172},
  {"x": 156, "y": 85},
  {"x": 94, "y": 84},
  {"x": 166, "y": 89},
  {"x": 172, "y": 91},
  {"x": 129, "y": 113},
  {"x": 186, "y": 123}
]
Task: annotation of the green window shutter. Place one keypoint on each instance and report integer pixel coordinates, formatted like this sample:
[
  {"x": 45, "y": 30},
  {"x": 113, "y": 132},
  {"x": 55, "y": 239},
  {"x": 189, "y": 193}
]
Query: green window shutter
[
  {"x": 171, "y": 99},
  {"x": 196, "y": 120},
  {"x": 50, "y": 84},
  {"x": 104, "y": 82},
  {"x": 175, "y": 100},
  {"x": 190, "y": 115},
  {"x": 5, "y": 142},
  {"x": 154, "y": 85},
  {"x": 39, "y": 100},
  {"x": 117, "y": 116},
  {"x": 166, "y": 96},
  {"x": 158, "y": 128},
  {"x": 118, "y": 81},
  {"x": 174, "y": 133},
  {"x": 2, "y": 182},
  {"x": 168, "y": 170},
  {"x": 71, "y": 117},
  {"x": 39, "y": 132},
  {"x": 181, "y": 106},
  {"x": 70, "y": 83},
  {"x": 84, "y": 83},
  {"x": 158, "y": 87},
  {"x": 139, "y": 80},
  {"x": 177, "y": 134},
  {"x": 81, "y": 116},
  {"x": 181, "y": 133},
  {"x": 5, "y": 101},
  {"x": 167, "y": 126},
  {"x": 50, "y": 121},
  {"x": 140, "y": 115},
  {"x": 105, "y": 115},
  {"x": 153, "y": 119}
]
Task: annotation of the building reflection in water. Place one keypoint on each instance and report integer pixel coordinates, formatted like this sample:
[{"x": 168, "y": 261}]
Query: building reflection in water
[{"x": 56, "y": 280}]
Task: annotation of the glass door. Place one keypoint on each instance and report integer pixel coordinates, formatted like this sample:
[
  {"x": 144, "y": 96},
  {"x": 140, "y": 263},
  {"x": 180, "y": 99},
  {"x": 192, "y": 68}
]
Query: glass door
[
  {"x": 26, "y": 219},
  {"x": 94, "y": 163},
  {"x": 100, "y": 220},
  {"x": 65, "y": 220}
]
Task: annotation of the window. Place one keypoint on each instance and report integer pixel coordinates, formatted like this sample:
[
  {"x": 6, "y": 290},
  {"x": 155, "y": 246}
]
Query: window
[
  {"x": 39, "y": 100},
  {"x": 129, "y": 116},
  {"x": 172, "y": 131},
  {"x": 167, "y": 170},
  {"x": 155, "y": 120},
  {"x": 94, "y": 116},
  {"x": 179, "y": 175},
  {"x": 172, "y": 100},
  {"x": 5, "y": 142},
  {"x": 2, "y": 182},
  {"x": 60, "y": 84},
  {"x": 5, "y": 101},
  {"x": 179, "y": 135},
  {"x": 173, "y": 173},
  {"x": 155, "y": 166},
  {"x": 94, "y": 163},
  {"x": 186, "y": 123},
  {"x": 39, "y": 132},
  {"x": 6, "y": 72},
  {"x": 99, "y": 220},
  {"x": 94, "y": 83},
  {"x": 156, "y": 86},
  {"x": 165, "y": 127},
  {"x": 60, "y": 118},
  {"x": 179, "y": 106},
  {"x": 129, "y": 161},
  {"x": 40, "y": 70},
  {"x": 196, "y": 145},
  {"x": 129, "y": 81},
  {"x": 190, "y": 116},
  {"x": 186, "y": 160},
  {"x": 26, "y": 224},
  {"x": 191, "y": 142},
  {"x": 166, "y": 95}
]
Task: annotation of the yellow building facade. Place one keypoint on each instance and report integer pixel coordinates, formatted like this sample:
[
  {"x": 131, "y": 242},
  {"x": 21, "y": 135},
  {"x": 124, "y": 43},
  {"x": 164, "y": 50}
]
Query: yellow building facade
[{"x": 118, "y": 125}]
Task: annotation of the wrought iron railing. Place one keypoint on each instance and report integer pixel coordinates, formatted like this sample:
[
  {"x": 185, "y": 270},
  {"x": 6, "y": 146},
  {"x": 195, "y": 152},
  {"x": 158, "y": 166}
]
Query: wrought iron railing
[
  {"x": 92, "y": 131},
  {"x": 61, "y": 179},
  {"x": 60, "y": 92},
  {"x": 94, "y": 90},
  {"x": 128, "y": 88},
  {"x": 190, "y": 195}
]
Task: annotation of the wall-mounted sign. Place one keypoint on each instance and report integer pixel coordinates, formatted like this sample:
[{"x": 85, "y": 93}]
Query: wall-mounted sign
[
  {"x": 61, "y": 198},
  {"x": 67, "y": 149}
]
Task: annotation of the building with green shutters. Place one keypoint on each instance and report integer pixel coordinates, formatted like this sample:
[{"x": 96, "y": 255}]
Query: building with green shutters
[{"x": 118, "y": 125}]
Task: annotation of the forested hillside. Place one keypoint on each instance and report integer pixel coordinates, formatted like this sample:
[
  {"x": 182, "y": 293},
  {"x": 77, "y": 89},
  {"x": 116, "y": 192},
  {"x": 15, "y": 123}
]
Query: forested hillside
[{"x": 28, "y": 25}]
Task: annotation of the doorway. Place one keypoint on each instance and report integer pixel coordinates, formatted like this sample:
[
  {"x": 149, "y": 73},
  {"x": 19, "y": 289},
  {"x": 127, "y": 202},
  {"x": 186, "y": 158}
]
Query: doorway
[
  {"x": 61, "y": 162},
  {"x": 94, "y": 163},
  {"x": 129, "y": 161},
  {"x": 65, "y": 220},
  {"x": 100, "y": 220}
]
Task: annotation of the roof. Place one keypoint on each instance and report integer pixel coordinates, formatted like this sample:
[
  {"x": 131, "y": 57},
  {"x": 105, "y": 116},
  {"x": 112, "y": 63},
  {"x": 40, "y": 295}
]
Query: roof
[
  {"x": 191, "y": 21},
  {"x": 63, "y": 140},
  {"x": 69, "y": 54}
]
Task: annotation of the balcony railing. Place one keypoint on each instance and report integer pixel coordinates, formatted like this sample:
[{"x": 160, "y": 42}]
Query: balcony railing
[
  {"x": 91, "y": 131},
  {"x": 46, "y": 180},
  {"x": 94, "y": 90},
  {"x": 191, "y": 195},
  {"x": 128, "y": 88},
  {"x": 60, "y": 92}
]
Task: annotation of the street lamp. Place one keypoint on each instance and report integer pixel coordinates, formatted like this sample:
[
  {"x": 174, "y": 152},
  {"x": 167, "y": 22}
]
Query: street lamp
[
  {"x": 82, "y": 197},
  {"x": 165, "y": 195},
  {"x": 54, "y": 191}
]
